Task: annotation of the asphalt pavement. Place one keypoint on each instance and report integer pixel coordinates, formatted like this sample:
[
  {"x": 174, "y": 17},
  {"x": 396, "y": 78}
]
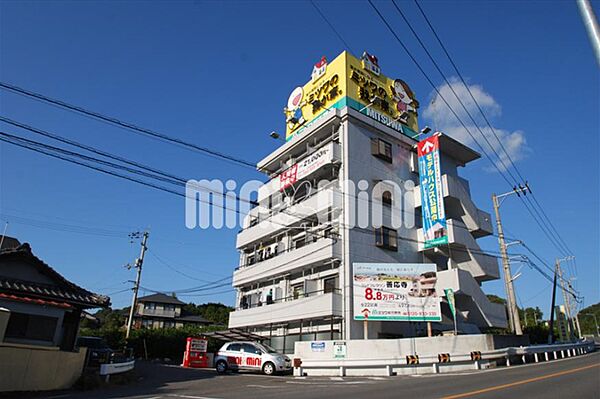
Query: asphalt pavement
[{"x": 577, "y": 377}]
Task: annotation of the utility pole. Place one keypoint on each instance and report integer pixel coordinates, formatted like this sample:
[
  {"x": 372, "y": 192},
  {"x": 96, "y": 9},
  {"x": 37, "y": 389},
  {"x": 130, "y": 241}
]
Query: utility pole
[
  {"x": 138, "y": 265},
  {"x": 511, "y": 299},
  {"x": 566, "y": 300},
  {"x": 551, "y": 332}
]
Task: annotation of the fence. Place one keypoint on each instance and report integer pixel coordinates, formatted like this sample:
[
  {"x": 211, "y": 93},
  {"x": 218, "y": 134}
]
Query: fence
[{"x": 440, "y": 362}]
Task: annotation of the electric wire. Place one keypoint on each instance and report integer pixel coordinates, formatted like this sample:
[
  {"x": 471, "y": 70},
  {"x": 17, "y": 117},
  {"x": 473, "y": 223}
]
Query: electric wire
[
  {"x": 129, "y": 126},
  {"x": 446, "y": 52},
  {"x": 553, "y": 239}
]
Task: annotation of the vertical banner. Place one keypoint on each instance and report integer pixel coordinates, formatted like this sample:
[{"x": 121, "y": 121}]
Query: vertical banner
[
  {"x": 451, "y": 302},
  {"x": 432, "y": 199}
]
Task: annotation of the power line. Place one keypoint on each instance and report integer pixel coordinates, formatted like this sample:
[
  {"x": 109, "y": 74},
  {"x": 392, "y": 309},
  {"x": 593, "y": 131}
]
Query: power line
[
  {"x": 437, "y": 67},
  {"x": 129, "y": 126},
  {"x": 549, "y": 234},
  {"x": 89, "y": 148},
  {"x": 163, "y": 262},
  {"x": 164, "y": 176},
  {"x": 486, "y": 119},
  {"x": 339, "y": 36}
]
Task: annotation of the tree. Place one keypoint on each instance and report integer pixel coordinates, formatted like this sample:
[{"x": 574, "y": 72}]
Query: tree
[
  {"x": 215, "y": 312},
  {"x": 586, "y": 319}
]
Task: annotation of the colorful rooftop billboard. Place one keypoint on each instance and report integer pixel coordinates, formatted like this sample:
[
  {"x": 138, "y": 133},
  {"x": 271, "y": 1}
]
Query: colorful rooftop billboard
[{"x": 358, "y": 84}]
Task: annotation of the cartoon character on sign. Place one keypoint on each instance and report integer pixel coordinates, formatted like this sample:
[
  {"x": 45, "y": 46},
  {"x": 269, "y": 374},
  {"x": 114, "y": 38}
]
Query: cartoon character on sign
[
  {"x": 293, "y": 111},
  {"x": 404, "y": 97}
]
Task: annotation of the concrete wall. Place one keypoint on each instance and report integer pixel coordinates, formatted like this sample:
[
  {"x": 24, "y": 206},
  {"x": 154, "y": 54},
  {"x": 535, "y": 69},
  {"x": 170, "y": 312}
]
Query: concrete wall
[
  {"x": 373, "y": 349},
  {"x": 35, "y": 368}
]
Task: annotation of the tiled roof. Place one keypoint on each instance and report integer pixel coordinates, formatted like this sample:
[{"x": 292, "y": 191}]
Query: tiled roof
[
  {"x": 161, "y": 298},
  {"x": 36, "y": 301},
  {"x": 63, "y": 290},
  {"x": 192, "y": 319}
]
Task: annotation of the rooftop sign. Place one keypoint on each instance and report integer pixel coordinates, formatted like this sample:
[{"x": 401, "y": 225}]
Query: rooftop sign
[{"x": 355, "y": 83}]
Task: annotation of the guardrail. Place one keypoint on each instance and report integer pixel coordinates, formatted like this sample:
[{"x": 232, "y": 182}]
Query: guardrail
[{"x": 474, "y": 359}]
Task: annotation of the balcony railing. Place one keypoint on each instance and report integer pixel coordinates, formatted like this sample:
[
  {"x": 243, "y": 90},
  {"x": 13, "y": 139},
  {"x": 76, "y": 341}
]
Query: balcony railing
[
  {"x": 261, "y": 216},
  {"x": 295, "y": 296},
  {"x": 322, "y": 250},
  {"x": 325, "y": 305}
]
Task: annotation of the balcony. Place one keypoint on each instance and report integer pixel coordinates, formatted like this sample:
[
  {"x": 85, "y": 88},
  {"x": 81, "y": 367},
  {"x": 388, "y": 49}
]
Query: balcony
[
  {"x": 308, "y": 165},
  {"x": 458, "y": 203},
  {"x": 316, "y": 306},
  {"x": 465, "y": 252},
  {"x": 316, "y": 204},
  {"x": 321, "y": 250}
]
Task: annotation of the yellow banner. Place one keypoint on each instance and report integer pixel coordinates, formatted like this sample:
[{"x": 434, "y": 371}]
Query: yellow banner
[{"x": 357, "y": 83}]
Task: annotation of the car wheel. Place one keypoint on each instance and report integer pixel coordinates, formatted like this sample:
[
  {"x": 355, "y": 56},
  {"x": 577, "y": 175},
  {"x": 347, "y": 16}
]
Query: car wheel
[
  {"x": 268, "y": 368},
  {"x": 221, "y": 367}
]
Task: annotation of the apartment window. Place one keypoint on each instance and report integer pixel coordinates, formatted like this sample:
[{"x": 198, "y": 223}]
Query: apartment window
[
  {"x": 383, "y": 192},
  {"x": 386, "y": 198},
  {"x": 300, "y": 242},
  {"x": 386, "y": 238},
  {"x": 29, "y": 326},
  {"x": 298, "y": 291},
  {"x": 381, "y": 149},
  {"x": 149, "y": 306},
  {"x": 329, "y": 285}
]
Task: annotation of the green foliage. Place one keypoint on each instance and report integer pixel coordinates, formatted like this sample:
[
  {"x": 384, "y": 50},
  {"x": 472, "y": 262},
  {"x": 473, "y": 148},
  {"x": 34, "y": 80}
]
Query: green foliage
[
  {"x": 586, "y": 320},
  {"x": 538, "y": 334},
  {"x": 156, "y": 343},
  {"x": 530, "y": 316},
  {"x": 496, "y": 299},
  {"x": 215, "y": 312}
]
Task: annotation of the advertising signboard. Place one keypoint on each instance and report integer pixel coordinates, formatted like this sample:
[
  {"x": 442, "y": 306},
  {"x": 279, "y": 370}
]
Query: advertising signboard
[
  {"x": 452, "y": 304},
  {"x": 355, "y": 83},
  {"x": 307, "y": 166},
  {"x": 396, "y": 292},
  {"x": 435, "y": 230}
]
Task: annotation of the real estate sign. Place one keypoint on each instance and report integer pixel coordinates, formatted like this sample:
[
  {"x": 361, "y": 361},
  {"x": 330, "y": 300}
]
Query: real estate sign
[
  {"x": 395, "y": 292},
  {"x": 435, "y": 230}
]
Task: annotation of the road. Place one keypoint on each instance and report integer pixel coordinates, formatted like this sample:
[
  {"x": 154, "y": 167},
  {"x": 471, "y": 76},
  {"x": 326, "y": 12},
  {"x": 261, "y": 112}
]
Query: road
[{"x": 577, "y": 377}]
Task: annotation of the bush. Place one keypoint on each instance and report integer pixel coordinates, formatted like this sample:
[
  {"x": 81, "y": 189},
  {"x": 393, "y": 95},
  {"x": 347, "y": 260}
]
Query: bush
[{"x": 158, "y": 343}]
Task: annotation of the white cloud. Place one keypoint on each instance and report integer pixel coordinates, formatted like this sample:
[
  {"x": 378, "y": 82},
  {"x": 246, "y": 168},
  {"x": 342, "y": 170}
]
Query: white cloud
[{"x": 441, "y": 118}]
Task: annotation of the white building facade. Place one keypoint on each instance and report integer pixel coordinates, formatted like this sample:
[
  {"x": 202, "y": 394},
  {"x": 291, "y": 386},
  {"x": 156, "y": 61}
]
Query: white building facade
[{"x": 350, "y": 170}]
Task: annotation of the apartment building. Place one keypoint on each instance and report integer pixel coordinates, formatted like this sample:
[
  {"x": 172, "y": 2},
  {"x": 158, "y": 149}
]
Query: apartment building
[{"x": 348, "y": 164}]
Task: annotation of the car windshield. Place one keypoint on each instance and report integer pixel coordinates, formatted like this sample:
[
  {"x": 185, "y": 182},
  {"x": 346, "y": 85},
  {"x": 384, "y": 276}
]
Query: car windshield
[{"x": 268, "y": 349}]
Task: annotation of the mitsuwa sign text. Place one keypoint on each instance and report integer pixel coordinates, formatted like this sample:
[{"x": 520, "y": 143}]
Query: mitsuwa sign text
[
  {"x": 432, "y": 199},
  {"x": 395, "y": 292}
]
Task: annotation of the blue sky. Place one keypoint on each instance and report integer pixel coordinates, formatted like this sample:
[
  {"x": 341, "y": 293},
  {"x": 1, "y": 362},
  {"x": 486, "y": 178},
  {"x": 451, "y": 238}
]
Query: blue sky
[{"x": 219, "y": 73}]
